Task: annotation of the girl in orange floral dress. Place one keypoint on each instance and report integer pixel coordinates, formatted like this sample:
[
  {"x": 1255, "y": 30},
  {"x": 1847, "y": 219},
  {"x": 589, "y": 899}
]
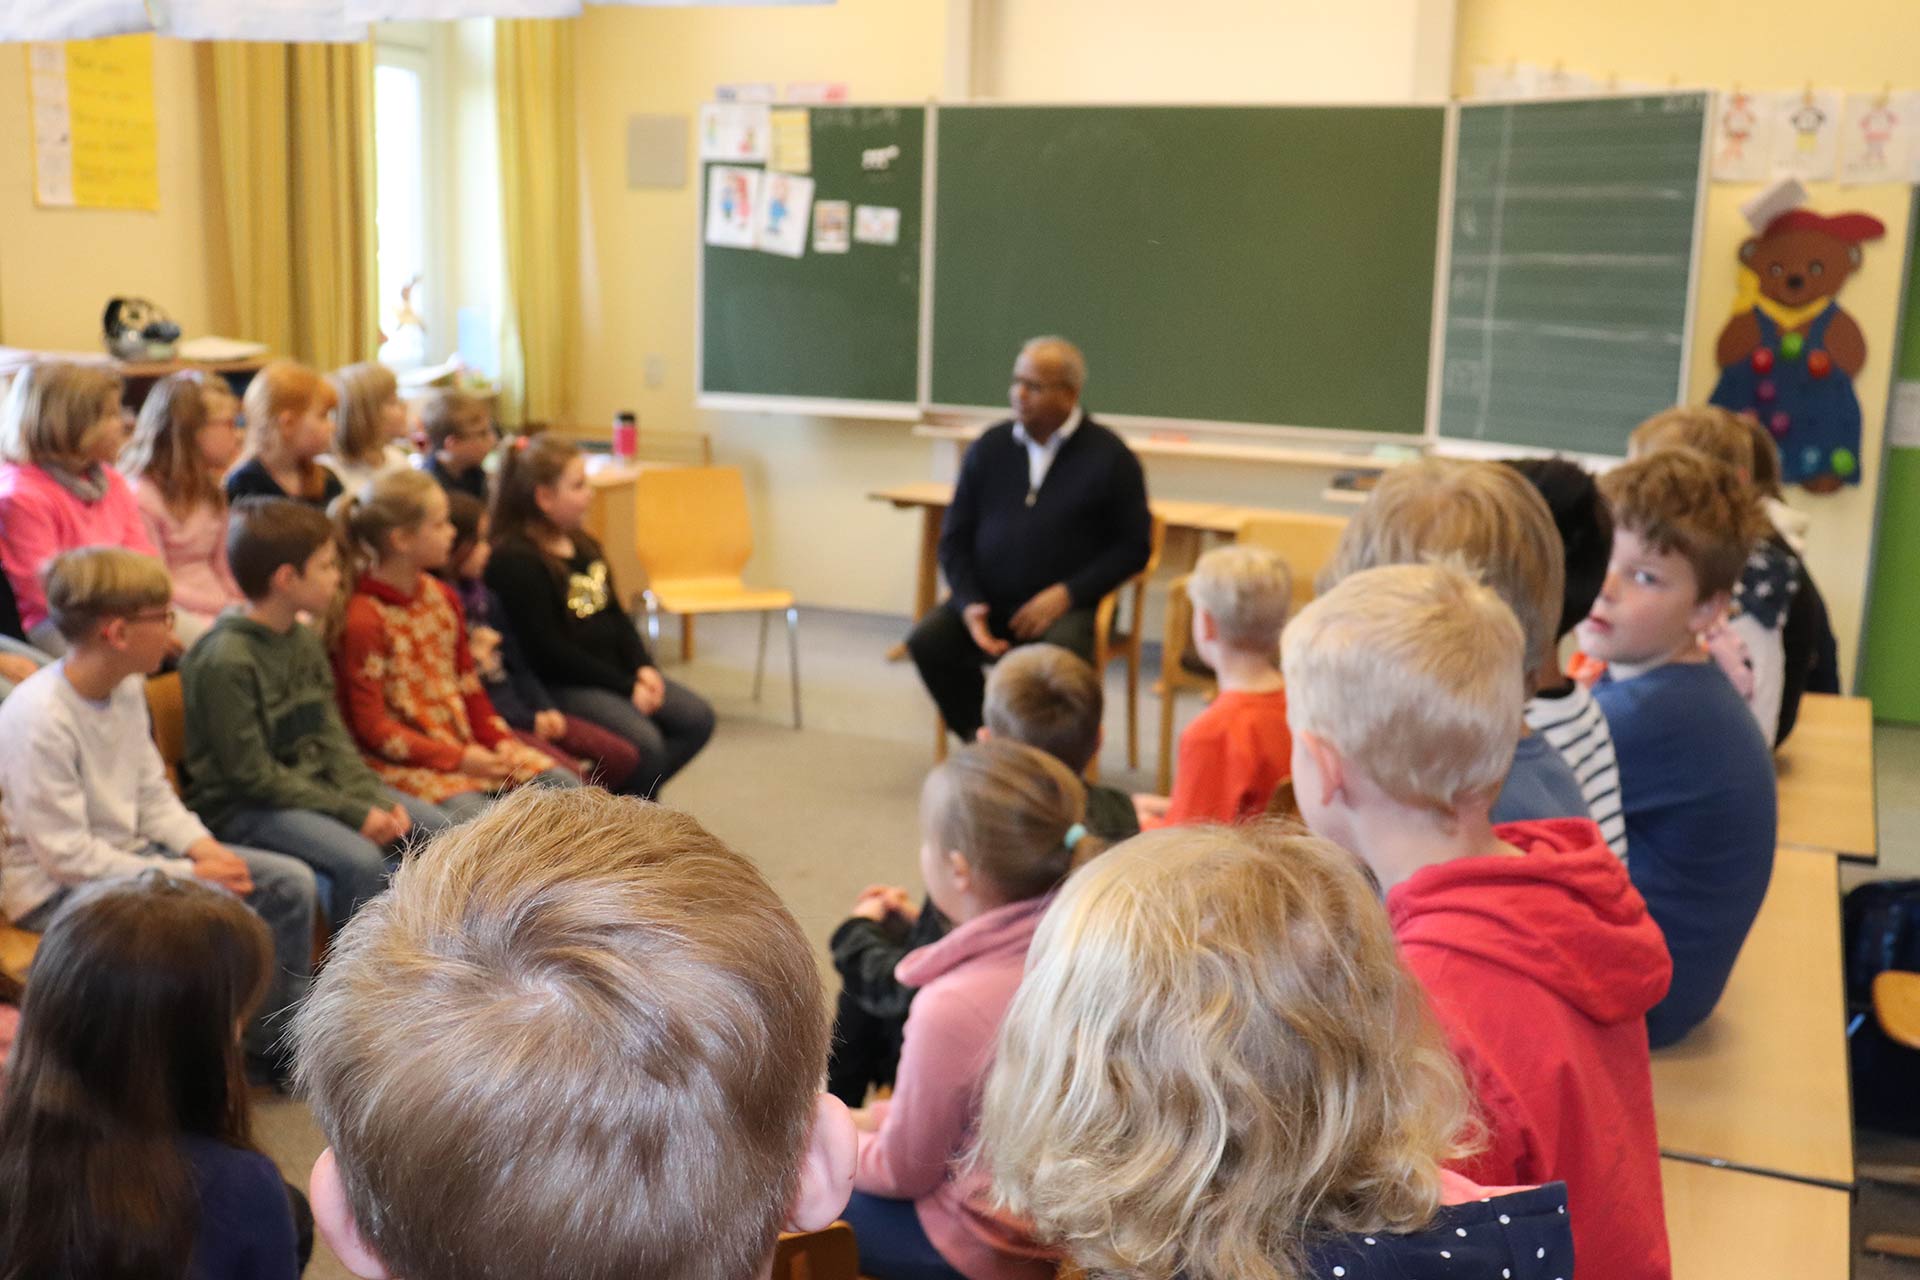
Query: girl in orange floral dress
[{"x": 408, "y": 688}]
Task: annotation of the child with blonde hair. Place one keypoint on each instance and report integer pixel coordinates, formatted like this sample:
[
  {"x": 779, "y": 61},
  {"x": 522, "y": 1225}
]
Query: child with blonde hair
[
  {"x": 1000, "y": 825},
  {"x": 289, "y": 412},
  {"x": 186, "y": 437},
  {"x": 1696, "y": 775},
  {"x": 408, "y": 688},
  {"x": 579, "y": 1037},
  {"x": 460, "y": 434},
  {"x": 1216, "y": 1069},
  {"x": 1539, "y": 958},
  {"x": 60, "y": 430},
  {"x": 1237, "y": 751},
  {"x": 371, "y": 425}
]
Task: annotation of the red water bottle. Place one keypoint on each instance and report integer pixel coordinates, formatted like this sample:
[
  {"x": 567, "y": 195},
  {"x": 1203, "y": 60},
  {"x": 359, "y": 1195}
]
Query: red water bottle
[{"x": 626, "y": 435}]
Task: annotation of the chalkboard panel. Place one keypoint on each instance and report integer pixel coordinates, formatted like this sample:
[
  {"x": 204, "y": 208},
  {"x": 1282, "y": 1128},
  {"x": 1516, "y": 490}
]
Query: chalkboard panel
[
  {"x": 1570, "y": 261},
  {"x": 1262, "y": 265},
  {"x": 830, "y": 326}
]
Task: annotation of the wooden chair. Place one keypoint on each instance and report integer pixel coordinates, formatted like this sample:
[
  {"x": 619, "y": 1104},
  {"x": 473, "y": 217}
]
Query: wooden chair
[
  {"x": 1109, "y": 642},
  {"x": 167, "y": 708},
  {"x": 693, "y": 536},
  {"x": 1896, "y": 1003},
  {"x": 1306, "y": 541},
  {"x": 16, "y": 950},
  {"x": 832, "y": 1254}
]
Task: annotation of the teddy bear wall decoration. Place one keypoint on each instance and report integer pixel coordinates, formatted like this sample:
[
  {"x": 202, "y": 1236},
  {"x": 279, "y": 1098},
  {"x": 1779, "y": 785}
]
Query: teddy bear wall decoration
[{"x": 1790, "y": 353}]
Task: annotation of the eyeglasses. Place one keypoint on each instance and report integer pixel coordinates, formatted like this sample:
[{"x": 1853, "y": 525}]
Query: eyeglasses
[{"x": 1032, "y": 384}]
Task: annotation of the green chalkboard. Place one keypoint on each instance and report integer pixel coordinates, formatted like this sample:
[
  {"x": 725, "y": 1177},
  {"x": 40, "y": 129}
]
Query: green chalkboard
[
  {"x": 1571, "y": 255},
  {"x": 1269, "y": 265},
  {"x": 834, "y": 326},
  {"x": 1888, "y": 673}
]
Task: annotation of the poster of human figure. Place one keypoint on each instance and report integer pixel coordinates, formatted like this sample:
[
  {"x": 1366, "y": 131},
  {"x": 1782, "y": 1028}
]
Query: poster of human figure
[
  {"x": 1876, "y": 143},
  {"x": 786, "y": 210},
  {"x": 733, "y": 205},
  {"x": 1806, "y": 134},
  {"x": 1742, "y": 137}
]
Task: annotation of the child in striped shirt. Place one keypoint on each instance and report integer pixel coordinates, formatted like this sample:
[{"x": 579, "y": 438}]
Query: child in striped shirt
[{"x": 1561, "y": 710}]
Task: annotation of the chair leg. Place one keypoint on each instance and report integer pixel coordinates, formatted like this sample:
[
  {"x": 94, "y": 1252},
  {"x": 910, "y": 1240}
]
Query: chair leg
[
  {"x": 686, "y": 637},
  {"x": 653, "y": 624},
  {"x": 793, "y": 659},
  {"x": 760, "y": 658},
  {"x": 1165, "y": 764},
  {"x": 939, "y": 738},
  {"x": 1133, "y": 702}
]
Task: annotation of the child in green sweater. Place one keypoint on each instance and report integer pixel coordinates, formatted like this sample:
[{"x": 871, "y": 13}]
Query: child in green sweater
[{"x": 269, "y": 763}]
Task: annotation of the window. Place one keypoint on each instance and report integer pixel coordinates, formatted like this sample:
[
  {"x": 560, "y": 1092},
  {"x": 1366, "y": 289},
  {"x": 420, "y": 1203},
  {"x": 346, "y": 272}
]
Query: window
[{"x": 401, "y": 213}]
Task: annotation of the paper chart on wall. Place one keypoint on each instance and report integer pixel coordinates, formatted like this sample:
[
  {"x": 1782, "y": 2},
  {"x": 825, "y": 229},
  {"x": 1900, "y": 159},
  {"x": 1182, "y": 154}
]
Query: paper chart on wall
[
  {"x": 737, "y": 132},
  {"x": 1806, "y": 134},
  {"x": 733, "y": 205},
  {"x": 1742, "y": 138},
  {"x": 791, "y": 142},
  {"x": 786, "y": 208},
  {"x": 72, "y": 20},
  {"x": 832, "y": 226},
  {"x": 1876, "y": 142},
  {"x": 876, "y": 224},
  {"x": 95, "y": 141}
]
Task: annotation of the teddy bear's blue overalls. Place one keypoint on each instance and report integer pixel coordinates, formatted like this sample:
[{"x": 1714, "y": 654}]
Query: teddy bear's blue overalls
[{"x": 1814, "y": 419}]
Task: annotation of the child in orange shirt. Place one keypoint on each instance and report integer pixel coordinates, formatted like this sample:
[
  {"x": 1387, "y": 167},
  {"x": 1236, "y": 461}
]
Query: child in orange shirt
[{"x": 1238, "y": 750}]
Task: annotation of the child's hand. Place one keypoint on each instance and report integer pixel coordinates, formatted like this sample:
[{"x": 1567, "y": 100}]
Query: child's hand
[
  {"x": 482, "y": 763},
  {"x": 15, "y": 668},
  {"x": 1151, "y": 808},
  {"x": 551, "y": 725},
  {"x": 378, "y": 828},
  {"x": 649, "y": 690},
  {"x": 402, "y": 822},
  {"x": 220, "y": 866},
  {"x": 484, "y": 644}
]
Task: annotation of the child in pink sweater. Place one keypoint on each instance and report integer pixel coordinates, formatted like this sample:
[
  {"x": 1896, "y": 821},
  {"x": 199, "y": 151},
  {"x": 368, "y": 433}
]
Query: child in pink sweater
[
  {"x": 59, "y": 429},
  {"x": 186, "y": 438},
  {"x": 1000, "y": 823}
]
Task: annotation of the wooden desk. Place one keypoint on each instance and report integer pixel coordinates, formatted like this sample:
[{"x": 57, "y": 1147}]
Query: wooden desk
[
  {"x": 1762, "y": 1084},
  {"x": 1826, "y": 779},
  {"x": 1726, "y": 1225}
]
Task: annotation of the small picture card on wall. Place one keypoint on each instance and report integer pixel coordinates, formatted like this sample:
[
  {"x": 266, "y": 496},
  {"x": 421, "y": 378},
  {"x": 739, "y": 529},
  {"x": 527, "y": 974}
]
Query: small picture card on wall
[
  {"x": 1806, "y": 134},
  {"x": 832, "y": 226},
  {"x": 876, "y": 224},
  {"x": 736, "y": 132},
  {"x": 733, "y": 206},
  {"x": 1742, "y": 138},
  {"x": 786, "y": 206},
  {"x": 1877, "y": 141}
]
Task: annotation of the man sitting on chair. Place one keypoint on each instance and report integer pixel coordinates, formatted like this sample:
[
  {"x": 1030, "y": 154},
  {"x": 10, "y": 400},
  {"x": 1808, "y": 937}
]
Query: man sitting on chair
[{"x": 1049, "y": 515}]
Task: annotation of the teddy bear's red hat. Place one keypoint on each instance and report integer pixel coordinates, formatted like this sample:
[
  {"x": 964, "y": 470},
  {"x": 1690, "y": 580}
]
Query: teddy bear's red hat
[{"x": 1849, "y": 227}]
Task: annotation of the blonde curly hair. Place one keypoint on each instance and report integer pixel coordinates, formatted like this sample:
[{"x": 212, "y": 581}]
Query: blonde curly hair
[{"x": 1214, "y": 1056}]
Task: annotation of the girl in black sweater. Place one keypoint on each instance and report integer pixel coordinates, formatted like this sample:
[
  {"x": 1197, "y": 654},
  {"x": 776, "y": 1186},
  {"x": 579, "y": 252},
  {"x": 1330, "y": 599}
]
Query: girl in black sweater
[{"x": 549, "y": 573}]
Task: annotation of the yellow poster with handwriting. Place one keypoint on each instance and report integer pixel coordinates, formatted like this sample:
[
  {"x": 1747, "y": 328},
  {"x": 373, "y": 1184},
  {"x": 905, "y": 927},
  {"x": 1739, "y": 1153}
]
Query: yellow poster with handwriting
[{"x": 96, "y": 143}]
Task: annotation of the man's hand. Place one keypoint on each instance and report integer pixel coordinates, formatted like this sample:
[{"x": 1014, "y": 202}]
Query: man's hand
[
  {"x": 219, "y": 866},
  {"x": 649, "y": 690},
  {"x": 550, "y": 725},
  {"x": 1032, "y": 619},
  {"x": 975, "y": 616}
]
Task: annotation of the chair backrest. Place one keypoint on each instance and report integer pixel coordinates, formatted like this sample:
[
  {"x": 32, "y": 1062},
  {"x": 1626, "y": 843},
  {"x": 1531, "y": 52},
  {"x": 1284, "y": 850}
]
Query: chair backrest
[
  {"x": 1896, "y": 1002},
  {"x": 167, "y": 707},
  {"x": 692, "y": 522},
  {"x": 1158, "y": 544},
  {"x": 1306, "y": 541},
  {"x": 832, "y": 1254}
]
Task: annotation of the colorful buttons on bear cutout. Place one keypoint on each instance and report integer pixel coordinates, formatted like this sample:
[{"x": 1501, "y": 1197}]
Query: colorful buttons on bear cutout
[
  {"x": 1844, "y": 463},
  {"x": 1761, "y": 360},
  {"x": 1810, "y": 459},
  {"x": 1766, "y": 392},
  {"x": 1791, "y": 345},
  {"x": 1819, "y": 363},
  {"x": 1779, "y": 423}
]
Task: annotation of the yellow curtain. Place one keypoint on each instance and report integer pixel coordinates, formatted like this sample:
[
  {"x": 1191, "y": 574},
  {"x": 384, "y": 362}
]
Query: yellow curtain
[
  {"x": 294, "y": 128},
  {"x": 539, "y": 222}
]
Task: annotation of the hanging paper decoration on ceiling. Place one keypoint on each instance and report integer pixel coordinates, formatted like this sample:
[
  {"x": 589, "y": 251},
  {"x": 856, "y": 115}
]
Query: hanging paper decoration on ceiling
[{"x": 1790, "y": 353}]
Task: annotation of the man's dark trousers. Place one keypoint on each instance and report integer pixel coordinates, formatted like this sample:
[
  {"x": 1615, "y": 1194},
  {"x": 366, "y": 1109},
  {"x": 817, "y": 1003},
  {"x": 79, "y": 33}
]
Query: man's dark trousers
[{"x": 953, "y": 666}]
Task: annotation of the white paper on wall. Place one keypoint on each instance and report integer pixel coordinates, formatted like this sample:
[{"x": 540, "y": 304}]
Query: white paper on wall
[
  {"x": 876, "y": 224},
  {"x": 1876, "y": 142},
  {"x": 733, "y": 205},
  {"x": 1806, "y": 134},
  {"x": 786, "y": 209},
  {"x": 1742, "y": 137},
  {"x": 832, "y": 226},
  {"x": 736, "y": 132}
]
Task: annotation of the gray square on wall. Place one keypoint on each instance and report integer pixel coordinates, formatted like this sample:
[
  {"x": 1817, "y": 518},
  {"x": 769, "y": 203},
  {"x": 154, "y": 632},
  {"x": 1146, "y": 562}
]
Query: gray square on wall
[{"x": 657, "y": 152}]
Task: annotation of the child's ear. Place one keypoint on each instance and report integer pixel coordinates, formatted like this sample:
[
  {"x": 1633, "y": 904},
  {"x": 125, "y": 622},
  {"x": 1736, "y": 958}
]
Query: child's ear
[
  {"x": 959, "y": 870},
  {"x": 983, "y": 734},
  {"x": 1328, "y": 764},
  {"x": 1709, "y": 611},
  {"x": 333, "y": 1218},
  {"x": 1209, "y": 625},
  {"x": 827, "y": 1168}
]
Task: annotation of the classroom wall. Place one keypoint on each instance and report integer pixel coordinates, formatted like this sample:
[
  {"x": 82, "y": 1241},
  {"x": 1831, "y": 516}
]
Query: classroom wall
[
  {"x": 58, "y": 267},
  {"x": 1757, "y": 44},
  {"x": 816, "y": 532}
]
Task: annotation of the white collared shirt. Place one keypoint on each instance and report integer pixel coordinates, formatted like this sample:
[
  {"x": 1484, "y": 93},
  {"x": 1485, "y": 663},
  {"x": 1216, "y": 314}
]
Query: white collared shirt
[{"x": 1040, "y": 456}]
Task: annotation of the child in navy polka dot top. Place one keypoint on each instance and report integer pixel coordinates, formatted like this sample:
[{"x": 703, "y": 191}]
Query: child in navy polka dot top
[{"x": 1216, "y": 1069}]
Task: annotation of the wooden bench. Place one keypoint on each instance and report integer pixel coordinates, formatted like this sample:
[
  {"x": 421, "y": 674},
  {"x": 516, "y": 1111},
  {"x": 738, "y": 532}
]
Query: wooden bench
[{"x": 1826, "y": 784}]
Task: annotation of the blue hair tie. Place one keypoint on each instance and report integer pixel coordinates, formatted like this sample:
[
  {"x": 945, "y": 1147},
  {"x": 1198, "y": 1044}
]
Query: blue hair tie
[{"x": 1075, "y": 834}]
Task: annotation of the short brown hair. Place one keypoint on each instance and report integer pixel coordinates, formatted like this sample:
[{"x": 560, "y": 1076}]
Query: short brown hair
[
  {"x": 1047, "y": 697},
  {"x": 87, "y": 586},
  {"x": 1482, "y": 513},
  {"x": 1766, "y": 459},
  {"x": 445, "y": 412},
  {"x": 265, "y": 533},
  {"x": 579, "y": 1036},
  {"x": 1714, "y": 431},
  {"x": 364, "y": 390},
  {"x": 1010, "y": 808},
  {"x": 1682, "y": 502},
  {"x": 51, "y": 407}
]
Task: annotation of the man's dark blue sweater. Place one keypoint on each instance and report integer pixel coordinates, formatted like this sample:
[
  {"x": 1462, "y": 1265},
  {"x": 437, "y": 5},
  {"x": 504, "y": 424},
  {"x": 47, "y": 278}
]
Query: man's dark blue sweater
[{"x": 1087, "y": 527}]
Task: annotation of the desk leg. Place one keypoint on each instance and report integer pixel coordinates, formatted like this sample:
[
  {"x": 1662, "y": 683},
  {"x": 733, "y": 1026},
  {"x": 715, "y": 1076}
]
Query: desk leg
[{"x": 926, "y": 577}]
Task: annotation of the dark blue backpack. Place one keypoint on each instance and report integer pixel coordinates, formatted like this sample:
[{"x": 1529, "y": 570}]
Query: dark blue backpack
[{"x": 1882, "y": 922}]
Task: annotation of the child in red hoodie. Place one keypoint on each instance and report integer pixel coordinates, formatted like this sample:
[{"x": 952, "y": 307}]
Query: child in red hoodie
[
  {"x": 1000, "y": 823},
  {"x": 1538, "y": 955}
]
